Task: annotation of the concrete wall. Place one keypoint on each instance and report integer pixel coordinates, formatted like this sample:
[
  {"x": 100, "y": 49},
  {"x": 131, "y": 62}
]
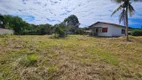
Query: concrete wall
[
  {"x": 117, "y": 31},
  {"x": 6, "y": 31},
  {"x": 112, "y": 30}
]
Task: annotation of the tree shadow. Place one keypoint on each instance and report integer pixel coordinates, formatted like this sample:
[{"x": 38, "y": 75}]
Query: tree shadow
[{"x": 137, "y": 40}]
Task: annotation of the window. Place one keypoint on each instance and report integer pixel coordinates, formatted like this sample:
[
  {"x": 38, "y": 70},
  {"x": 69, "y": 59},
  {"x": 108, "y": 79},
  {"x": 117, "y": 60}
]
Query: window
[
  {"x": 104, "y": 29},
  {"x": 123, "y": 31}
]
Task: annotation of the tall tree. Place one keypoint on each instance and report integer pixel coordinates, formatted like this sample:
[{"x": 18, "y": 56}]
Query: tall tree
[
  {"x": 72, "y": 21},
  {"x": 16, "y": 23},
  {"x": 126, "y": 9}
]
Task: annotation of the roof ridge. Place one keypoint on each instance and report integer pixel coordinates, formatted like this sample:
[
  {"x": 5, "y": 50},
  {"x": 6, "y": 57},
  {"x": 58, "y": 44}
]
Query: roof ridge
[{"x": 108, "y": 23}]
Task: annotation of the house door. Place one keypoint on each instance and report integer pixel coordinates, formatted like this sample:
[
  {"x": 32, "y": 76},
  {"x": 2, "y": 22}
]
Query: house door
[{"x": 97, "y": 30}]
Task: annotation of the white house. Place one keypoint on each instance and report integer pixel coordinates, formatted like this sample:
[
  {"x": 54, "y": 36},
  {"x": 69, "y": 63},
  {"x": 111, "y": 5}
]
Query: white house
[
  {"x": 6, "y": 31},
  {"x": 107, "y": 29}
]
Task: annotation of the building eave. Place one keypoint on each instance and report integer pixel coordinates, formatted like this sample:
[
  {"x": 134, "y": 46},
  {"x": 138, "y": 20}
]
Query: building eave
[{"x": 117, "y": 25}]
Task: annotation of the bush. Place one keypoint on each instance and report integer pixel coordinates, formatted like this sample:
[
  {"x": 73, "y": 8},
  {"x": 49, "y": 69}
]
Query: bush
[
  {"x": 29, "y": 60},
  {"x": 137, "y": 33},
  {"x": 60, "y": 32},
  {"x": 80, "y": 31}
]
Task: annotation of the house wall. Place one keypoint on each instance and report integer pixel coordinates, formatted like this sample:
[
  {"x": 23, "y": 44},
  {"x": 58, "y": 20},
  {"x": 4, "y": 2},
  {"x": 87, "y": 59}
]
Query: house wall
[
  {"x": 117, "y": 31},
  {"x": 6, "y": 31},
  {"x": 112, "y": 30}
]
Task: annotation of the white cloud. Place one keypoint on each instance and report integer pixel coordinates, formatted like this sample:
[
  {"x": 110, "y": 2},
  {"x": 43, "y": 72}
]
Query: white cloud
[{"x": 54, "y": 11}]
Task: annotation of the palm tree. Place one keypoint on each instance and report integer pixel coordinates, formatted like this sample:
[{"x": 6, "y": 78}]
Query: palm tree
[{"x": 126, "y": 8}]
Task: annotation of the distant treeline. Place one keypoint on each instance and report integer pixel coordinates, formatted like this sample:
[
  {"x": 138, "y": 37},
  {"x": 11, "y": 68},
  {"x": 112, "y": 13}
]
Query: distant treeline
[
  {"x": 20, "y": 27},
  {"x": 136, "y": 31}
]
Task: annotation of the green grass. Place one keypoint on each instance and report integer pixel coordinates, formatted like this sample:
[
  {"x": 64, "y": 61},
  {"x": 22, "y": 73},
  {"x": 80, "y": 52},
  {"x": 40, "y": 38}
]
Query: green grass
[
  {"x": 73, "y": 58},
  {"x": 105, "y": 55},
  {"x": 29, "y": 60}
]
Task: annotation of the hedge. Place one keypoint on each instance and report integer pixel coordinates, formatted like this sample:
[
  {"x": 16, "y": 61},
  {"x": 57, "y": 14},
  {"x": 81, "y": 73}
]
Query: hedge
[{"x": 137, "y": 33}]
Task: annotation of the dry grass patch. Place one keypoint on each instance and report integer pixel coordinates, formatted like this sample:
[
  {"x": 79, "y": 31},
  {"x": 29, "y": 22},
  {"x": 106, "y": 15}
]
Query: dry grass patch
[{"x": 73, "y": 58}]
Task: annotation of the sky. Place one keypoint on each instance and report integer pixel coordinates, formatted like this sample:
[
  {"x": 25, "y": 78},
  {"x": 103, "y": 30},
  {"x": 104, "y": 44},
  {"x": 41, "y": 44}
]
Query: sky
[{"x": 55, "y": 11}]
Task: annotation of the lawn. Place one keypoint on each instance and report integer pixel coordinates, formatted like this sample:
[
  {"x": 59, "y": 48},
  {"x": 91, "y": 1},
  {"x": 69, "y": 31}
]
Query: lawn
[{"x": 73, "y": 58}]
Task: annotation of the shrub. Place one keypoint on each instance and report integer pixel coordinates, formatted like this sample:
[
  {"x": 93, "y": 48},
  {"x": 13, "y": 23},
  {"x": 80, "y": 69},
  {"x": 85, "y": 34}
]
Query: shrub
[
  {"x": 29, "y": 60},
  {"x": 137, "y": 33},
  {"x": 79, "y": 31},
  {"x": 60, "y": 32}
]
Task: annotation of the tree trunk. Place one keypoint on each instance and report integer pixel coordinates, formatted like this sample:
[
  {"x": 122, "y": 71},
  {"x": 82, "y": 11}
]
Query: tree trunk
[{"x": 127, "y": 37}]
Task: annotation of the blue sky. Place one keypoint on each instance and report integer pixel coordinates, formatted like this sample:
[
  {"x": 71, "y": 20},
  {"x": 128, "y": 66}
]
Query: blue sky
[{"x": 55, "y": 11}]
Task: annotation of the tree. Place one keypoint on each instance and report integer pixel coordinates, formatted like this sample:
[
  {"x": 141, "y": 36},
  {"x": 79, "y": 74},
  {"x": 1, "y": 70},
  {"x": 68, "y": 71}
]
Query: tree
[
  {"x": 73, "y": 22},
  {"x": 18, "y": 25},
  {"x": 61, "y": 30},
  {"x": 15, "y": 23},
  {"x": 126, "y": 8},
  {"x": 1, "y": 20},
  {"x": 44, "y": 29},
  {"x": 21, "y": 27}
]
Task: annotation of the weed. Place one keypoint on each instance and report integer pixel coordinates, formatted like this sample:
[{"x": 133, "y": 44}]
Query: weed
[
  {"x": 29, "y": 60},
  {"x": 4, "y": 35},
  {"x": 139, "y": 75}
]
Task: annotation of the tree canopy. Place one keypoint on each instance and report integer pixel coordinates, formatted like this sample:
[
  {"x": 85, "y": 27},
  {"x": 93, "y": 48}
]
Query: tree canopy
[
  {"x": 20, "y": 27},
  {"x": 73, "y": 22}
]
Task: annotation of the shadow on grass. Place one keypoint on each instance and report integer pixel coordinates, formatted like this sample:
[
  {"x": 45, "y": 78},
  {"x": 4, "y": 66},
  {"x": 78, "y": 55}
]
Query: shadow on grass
[{"x": 137, "y": 40}]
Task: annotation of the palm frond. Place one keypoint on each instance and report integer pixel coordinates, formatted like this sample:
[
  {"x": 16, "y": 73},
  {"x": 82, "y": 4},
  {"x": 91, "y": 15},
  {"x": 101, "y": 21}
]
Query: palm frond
[
  {"x": 136, "y": 0},
  {"x": 117, "y": 1},
  {"x": 122, "y": 16},
  {"x": 119, "y": 8},
  {"x": 120, "y": 1},
  {"x": 131, "y": 9}
]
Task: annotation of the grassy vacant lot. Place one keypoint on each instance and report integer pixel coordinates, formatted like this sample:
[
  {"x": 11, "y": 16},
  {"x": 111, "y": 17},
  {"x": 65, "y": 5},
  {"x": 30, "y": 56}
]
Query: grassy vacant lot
[{"x": 74, "y": 58}]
